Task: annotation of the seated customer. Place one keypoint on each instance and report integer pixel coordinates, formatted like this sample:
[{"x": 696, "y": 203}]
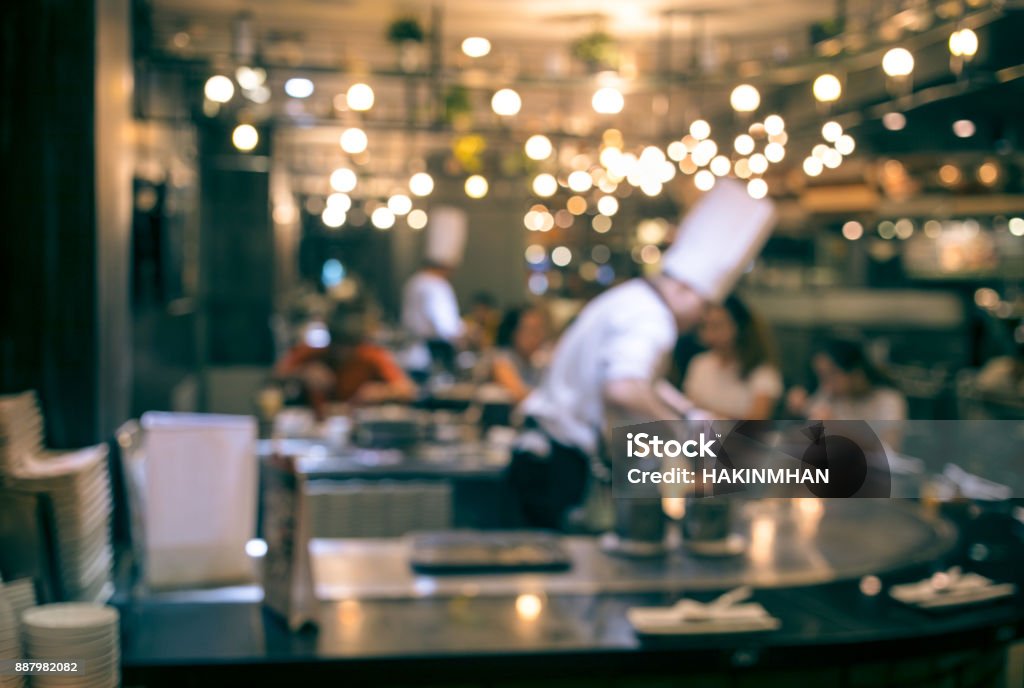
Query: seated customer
[
  {"x": 349, "y": 369},
  {"x": 737, "y": 377},
  {"x": 850, "y": 387},
  {"x": 517, "y": 362}
]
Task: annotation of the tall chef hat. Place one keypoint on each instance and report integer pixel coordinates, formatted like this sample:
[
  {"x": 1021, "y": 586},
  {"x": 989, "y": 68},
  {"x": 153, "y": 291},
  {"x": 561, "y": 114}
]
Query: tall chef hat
[
  {"x": 718, "y": 239},
  {"x": 446, "y": 236}
]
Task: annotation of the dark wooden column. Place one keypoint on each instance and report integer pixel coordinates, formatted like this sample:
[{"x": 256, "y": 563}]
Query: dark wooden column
[{"x": 64, "y": 231}]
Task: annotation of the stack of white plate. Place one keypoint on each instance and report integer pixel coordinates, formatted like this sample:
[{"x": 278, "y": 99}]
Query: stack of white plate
[
  {"x": 21, "y": 594},
  {"x": 79, "y": 632},
  {"x": 10, "y": 639},
  {"x": 78, "y": 484},
  {"x": 21, "y": 430}
]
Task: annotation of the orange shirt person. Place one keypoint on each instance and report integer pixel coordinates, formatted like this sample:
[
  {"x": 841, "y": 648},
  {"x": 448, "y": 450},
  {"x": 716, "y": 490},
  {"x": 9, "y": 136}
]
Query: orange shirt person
[{"x": 349, "y": 369}]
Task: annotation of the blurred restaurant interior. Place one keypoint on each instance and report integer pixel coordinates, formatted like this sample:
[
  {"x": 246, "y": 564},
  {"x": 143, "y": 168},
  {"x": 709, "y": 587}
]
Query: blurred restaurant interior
[{"x": 318, "y": 316}]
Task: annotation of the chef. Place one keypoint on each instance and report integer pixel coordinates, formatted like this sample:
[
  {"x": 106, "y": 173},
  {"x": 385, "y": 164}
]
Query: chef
[
  {"x": 430, "y": 311},
  {"x": 607, "y": 364}
]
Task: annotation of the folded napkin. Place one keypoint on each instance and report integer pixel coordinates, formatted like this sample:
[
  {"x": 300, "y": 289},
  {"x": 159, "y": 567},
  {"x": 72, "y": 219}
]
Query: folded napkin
[
  {"x": 951, "y": 589},
  {"x": 690, "y": 617}
]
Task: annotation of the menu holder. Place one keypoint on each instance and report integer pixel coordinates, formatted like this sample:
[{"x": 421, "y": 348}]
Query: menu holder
[{"x": 287, "y": 575}]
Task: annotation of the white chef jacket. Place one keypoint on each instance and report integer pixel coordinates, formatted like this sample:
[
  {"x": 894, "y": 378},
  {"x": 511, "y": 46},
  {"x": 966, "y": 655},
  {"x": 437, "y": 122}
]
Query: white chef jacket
[
  {"x": 429, "y": 307},
  {"x": 624, "y": 334}
]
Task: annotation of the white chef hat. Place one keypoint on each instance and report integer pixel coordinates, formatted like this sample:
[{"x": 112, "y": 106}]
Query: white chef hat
[
  {"x": 446, "y": 236},
  {"x": 718, "y": 239}
]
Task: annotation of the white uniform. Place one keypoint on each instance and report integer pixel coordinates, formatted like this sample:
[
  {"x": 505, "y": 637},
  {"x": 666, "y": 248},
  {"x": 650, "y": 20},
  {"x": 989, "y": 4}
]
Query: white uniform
[
  {"x": 430, "y": 309},
  {"x": 624, "y": 334},
  {"x": 628, "y": 332}
]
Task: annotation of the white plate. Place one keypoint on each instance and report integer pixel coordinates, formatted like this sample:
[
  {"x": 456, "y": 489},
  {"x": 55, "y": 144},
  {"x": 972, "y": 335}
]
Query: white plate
[{"x": 70, "y": 616}]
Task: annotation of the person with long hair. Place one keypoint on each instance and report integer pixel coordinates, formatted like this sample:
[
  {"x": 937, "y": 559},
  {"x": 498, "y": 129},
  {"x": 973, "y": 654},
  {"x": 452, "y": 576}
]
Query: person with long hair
[
  {"x": 850, "y": 387},
  {"x": 737, "y": 376},
  {"x": 518, "y": 360}
]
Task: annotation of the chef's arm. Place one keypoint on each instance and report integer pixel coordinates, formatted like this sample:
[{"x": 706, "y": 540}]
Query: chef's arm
[{"x": 636, "y": 399}]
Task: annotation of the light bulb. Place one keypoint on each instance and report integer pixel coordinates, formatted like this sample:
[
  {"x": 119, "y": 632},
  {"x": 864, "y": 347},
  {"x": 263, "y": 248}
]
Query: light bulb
[
  {"x": 831, "y": 131},
  {"x": 744, "y": 144},
  {"x": 608, "y": 101},
  {"x": 580, "y": 181},
  {"x": 250, "y": 78},
  {"x": 963, "y": 43},
  {"x": 700, "y": 129},
  {"x": 353, "y": 140},
  {"x": 382, "y": 218},
  {"x": 476, "y": 186},
  {"x": 758, "y": 163},
  {"x": 506, "y": 102},
  {"x": 704, "y": 180},
  {"x": 245, "y": 137},
  {"x": 421, "y": 184},
  {"x": 343, "y": 179},
  {"x": 774, "y": 125},
  {"x": 757, "y": 188},
  {"x": 545, "y": 185},
  {"x": 475, "y": 46},
  {"x": 774, "y": 152},
  {"x": 400, "y": 204},
  {"x": 744, "y": 98},
  {"x": 607, "y": 205},
  {"x": 964, "y": 128},
  {"x": 894, "y": 121},
  {"x": 538, "y": 147},
  {"x": 359, "y": 97},
  {"x": 845, "y": 144},
  {"x": 720, "y": 166},
  {"x": 898, "y": 62},
  {"x": 299, "y": 87},
  {"x": 219, "y": 88},
  {"x": 827, "y": 88},
  {"x": 417, "y": 219},
  {"x": 812, "y": 166}
]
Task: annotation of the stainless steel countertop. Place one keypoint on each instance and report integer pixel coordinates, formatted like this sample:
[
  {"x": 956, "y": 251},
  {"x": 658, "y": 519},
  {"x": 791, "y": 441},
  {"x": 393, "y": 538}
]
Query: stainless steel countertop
[{"x": 798, "y": 543}]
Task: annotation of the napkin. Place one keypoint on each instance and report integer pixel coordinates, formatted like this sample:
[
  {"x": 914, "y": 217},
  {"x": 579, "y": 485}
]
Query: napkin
[
  {"x": 690, "y": 617},
  {"x": 952, "y": 590}
]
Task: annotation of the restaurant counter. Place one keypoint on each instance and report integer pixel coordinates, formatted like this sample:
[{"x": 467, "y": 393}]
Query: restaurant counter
[{"x": 381, "y": 624}]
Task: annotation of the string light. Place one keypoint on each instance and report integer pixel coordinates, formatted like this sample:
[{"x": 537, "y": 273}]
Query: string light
[
  {"x": 700, "y": 129},
  {"x": 745, "y": 98},
  {"x": 359, "y": 97},
  {"x": 353, "y": 141},
  {"x": 963, "y": 43},
  {"x": 827, "y": 88},
  {"x": 245, "y": 137},
  {"x": 545, "y": 185},
  {"x": 219, "y": 88},
  {"x": 898, "y": 62},
  {"x": 538, "y": 147},
  {"x": 476, "y": 186},
  {"x": 299, "y": 87},
  {"x": 382, "y": 218},
  {"x": 400, "y": 204},
  {"x": 343, "y": 179},
  {"x": 506, "y": 102},
  {"x": 421, "y": 184},
  {"x": 475, "y": 46},
  {"x": 608, "y": 101}
]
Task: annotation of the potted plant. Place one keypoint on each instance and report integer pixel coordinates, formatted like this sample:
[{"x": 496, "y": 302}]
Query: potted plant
[
  {"x": 407, "y": 34},
  {"x": 597, "y": 50}
]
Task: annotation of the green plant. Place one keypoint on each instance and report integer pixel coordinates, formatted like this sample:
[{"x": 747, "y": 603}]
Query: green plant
[
  {"x": 456, "y": 102},
  {"x": 596, "y": 49},
  {"x": 405, "y": 29}
]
